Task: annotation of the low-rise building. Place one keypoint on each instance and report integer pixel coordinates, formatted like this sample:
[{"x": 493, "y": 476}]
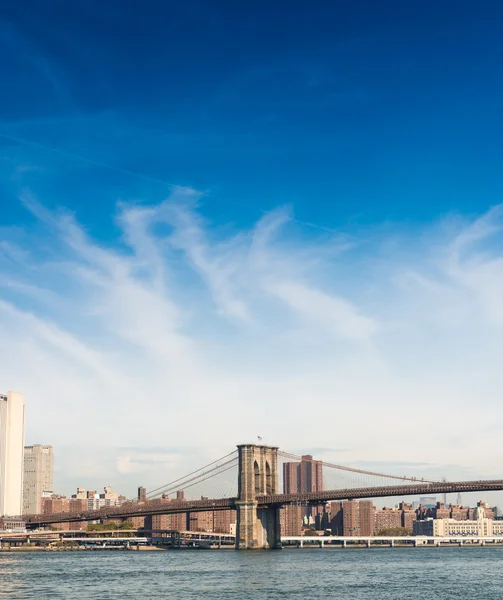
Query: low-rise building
[{"x": 12, "y": 524}]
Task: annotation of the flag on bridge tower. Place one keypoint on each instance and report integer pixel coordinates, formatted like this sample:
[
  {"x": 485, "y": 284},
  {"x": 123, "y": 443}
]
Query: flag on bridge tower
[{"x": 259, "y": 438}]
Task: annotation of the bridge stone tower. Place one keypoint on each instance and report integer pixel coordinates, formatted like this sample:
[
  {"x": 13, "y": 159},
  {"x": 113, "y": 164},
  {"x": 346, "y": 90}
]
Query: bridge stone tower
[{"x": 258, "y": 475}]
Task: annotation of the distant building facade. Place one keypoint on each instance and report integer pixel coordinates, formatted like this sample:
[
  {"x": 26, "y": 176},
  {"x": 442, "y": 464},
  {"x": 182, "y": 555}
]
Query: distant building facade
[
  {"x": 291, "y": 520},
  {"x": 387, "y": 518},
  {"x": 96, "y": 501},
  {"x": 211, "y": 521},
  {"x": 481, "y": 525},
  {"x": 452, "y": 528},
  {"x": 38, "y": 477},
  {"x": 352, "y": 518},
  {"x": 12, "y": 524},
  {"x": 408, "y": 515}
]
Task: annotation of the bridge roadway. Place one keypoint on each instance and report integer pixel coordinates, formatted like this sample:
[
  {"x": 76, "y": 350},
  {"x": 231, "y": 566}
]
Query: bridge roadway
[
  {"x": 383, "y": 491},
  {"x": 155, "y": 507}
]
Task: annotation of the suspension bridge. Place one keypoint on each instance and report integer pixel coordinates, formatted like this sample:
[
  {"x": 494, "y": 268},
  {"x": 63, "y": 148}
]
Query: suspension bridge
[{"x": 247, "y": 480}]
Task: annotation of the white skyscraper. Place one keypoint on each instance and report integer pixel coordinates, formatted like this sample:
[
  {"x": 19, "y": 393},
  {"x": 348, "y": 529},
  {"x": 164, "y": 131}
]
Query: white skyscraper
[
  {"x": 11, "y": 453},
  {"x": 38, "y": 479}
]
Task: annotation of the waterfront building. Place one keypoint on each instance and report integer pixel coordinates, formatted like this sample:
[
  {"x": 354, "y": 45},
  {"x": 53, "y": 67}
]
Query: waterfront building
[
  {"x": 156, "y": 522},
  {"x": 11, "y": 453},
  {"x": 178, "y": 522},
  {"x": 387, "y": 518},
  {"x": 291, "y": 520},
  {"x": 361, "y": 518},
  {"x": 137, "y": 522},
  {"x": 481, "y": 526},
  {"x": 367, "y": 517},
  {"x": 38, "y": 477},
  {"x": 223, "y": 520},
  {"x": 217, "y": 521},
  {"x": 352, "y": 518},
  {"x": 12, "y": 524},
  {"x": 200, "y": 521}
]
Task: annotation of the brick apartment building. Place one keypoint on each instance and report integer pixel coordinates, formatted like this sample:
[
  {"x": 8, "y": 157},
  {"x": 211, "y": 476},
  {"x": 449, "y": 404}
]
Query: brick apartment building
[{"x": 300, "y": 477}]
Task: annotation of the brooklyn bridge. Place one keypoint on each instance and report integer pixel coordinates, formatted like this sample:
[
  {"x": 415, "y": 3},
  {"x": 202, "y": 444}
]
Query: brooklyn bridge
[{"x": 247, "y": 481}]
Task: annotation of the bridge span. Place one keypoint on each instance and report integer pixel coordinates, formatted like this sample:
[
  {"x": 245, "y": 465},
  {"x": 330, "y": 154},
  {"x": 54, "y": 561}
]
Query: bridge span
[
  {"x": 382, "y": 492},
  {"x": 258, "y": 500}
]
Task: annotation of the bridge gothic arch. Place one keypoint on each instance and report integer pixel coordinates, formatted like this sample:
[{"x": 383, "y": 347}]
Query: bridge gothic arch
[{"x": 256, "y": 473}]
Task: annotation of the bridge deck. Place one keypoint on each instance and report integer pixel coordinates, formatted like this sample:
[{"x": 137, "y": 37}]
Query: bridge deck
[
  {"x": 153, "y": 507},
  {"x": 383, "y": 491}
]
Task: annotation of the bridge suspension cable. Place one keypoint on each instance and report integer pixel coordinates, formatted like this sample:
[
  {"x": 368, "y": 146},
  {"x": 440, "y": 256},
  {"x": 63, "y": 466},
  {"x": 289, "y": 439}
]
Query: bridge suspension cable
[
  {"x": 296, "y": 457},
  {"x": 200, "y": 478},
  {"x": 199, "y": 475}
]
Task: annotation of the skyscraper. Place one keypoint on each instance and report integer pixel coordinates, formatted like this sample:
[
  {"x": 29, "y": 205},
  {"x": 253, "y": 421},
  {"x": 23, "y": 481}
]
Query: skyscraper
[
  {"x": 310, "y": 474},
  {"x": 38, "y": 479},
  {"x": 11, "y": 453},
  {"x": 304, "y": 476},
  {"x": 290, "y": 478}
]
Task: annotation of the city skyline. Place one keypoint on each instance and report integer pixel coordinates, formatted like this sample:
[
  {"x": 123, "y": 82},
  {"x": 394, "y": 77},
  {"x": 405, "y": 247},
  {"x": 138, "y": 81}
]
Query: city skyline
[{"x": 287, "y": 225}]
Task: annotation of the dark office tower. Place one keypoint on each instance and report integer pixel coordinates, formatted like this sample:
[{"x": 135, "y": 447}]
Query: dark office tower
[{"x": 142, "y": 494}]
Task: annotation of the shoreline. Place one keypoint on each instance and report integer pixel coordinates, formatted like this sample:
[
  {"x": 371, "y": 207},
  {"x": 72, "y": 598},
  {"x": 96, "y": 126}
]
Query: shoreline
[{"x": 67, "y": 549}]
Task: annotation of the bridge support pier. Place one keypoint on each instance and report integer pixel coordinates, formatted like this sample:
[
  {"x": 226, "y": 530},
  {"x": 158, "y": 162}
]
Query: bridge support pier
[{"x": 257, "y": 527}]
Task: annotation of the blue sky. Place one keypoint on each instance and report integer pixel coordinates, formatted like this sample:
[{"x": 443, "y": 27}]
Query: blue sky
[
  {"x": 379, "y": 112},
  {"x": 293, "y": 206}
]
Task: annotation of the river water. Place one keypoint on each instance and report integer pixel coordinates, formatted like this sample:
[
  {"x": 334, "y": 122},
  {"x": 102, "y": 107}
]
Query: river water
[{"x": 351, "y": 574}]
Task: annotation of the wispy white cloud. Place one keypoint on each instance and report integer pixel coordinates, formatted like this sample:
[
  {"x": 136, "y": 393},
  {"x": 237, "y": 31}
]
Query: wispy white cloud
[
  {"x": 338, "y": 315},
  {"x": 186, "y": 333}
]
